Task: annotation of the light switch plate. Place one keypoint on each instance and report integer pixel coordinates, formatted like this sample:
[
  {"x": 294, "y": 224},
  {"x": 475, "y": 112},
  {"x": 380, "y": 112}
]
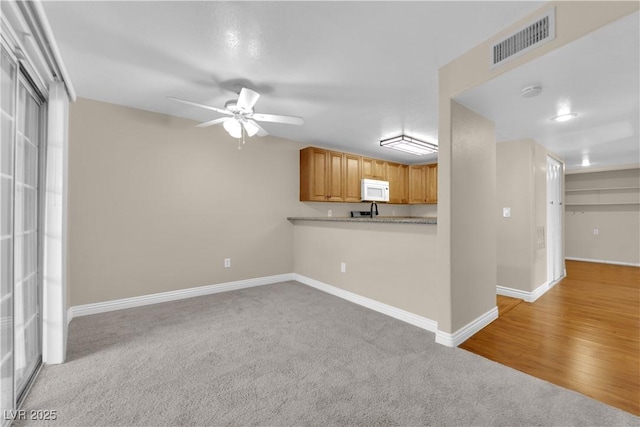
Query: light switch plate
[{"x": 506, "y": 212}]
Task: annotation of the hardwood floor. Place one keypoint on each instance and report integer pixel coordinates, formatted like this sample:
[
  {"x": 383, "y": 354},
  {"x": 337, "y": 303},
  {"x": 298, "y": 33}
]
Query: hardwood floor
[
  {"x": 506, "y": 304},
  {"x": 583, "y": 334}
]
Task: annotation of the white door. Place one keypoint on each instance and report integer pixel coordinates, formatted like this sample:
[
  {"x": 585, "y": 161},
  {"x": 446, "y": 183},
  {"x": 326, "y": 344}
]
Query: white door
[{"x": 555, "y": 264}]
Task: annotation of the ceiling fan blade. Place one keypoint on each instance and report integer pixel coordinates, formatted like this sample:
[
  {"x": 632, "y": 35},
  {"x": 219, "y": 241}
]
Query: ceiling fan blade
[
  {"x": 213, "y": 122},
  {"x": 291, "y": 120},
  {"x": 195, "y": 104},
  {"x": 247, "y": 99},
  {"x": 261, "y": 130}
]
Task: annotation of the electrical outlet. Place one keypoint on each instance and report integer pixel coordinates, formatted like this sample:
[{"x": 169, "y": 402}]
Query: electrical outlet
[
  {"x": 330, "y": 213},
  {"x": 227, "y": 262},
  {"x": 343, "y": 267},
  {"x": 595, "y": 231},
  {"x": 506, "y": 212}
]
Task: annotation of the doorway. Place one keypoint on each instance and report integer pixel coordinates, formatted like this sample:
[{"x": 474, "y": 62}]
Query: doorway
[{"x": 555, "y": 264}]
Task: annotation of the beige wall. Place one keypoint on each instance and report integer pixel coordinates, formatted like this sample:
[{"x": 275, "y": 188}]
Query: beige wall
[
  {"x": 521, "y": 186},
  {"x": 391, "y": 263},
  {"x": 515, "y": 240},
  {"x": 618, "y": 225},
  {"x": 156, "y": 204},
  {"x": 473, "y": 221}
]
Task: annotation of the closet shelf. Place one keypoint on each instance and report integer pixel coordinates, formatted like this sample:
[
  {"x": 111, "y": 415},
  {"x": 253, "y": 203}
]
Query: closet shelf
[
  {"x": 584, "y": 190},
  {"x": 602, "y": 204}
]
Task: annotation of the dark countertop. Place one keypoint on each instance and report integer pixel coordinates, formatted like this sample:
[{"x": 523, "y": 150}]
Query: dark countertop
[{"x": 379, "y": 219}]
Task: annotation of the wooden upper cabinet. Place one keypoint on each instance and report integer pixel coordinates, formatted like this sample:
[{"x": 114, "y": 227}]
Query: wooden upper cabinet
[
  {"x": 331, "y": 176},
  {"x": 335, "y": 180},
  {"x": 374, "y": 169},
  {"x": 321, "y": 175},
  {"x": 423, "y": 184},
  {"x": 352, "y": 173},
  {"x": 398, "y": 177},
  {"x": 432, "y": 183},
  {"x": 417, "y": 191}
]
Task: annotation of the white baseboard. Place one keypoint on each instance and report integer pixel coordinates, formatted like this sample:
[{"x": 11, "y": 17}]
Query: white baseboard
[
  {"x": 523, "y": 295},
  {"x": 514, "y": 293},
  {"x": 397, "y": 313},
  {"x": 462, "y": 334},
  {"x": 527, "y": 296},
  {"x": 602, "y": 261},
  {"x": 120, "y": 304}
]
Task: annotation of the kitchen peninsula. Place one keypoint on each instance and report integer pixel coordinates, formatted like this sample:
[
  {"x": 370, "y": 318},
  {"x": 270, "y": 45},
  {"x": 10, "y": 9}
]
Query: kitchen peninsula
[
  {"x": 378, "y": 219},
  {"x": 387, "y": 263}
]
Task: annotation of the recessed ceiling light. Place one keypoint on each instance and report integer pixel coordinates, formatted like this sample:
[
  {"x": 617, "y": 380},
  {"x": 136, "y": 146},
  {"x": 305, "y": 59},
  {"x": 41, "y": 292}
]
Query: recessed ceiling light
[{"x": 564, "y": 117}]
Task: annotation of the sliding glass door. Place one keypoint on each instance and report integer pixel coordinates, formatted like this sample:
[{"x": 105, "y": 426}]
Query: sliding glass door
[
  {"x": 27, "y": 295},
  {"x": 8, "y": 119},
  {"x": 22, "y": 132}
]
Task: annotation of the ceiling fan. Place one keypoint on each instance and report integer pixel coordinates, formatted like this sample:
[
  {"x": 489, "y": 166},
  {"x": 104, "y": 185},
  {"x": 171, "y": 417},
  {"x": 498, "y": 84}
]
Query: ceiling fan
[{"x": 243, "y": 120}]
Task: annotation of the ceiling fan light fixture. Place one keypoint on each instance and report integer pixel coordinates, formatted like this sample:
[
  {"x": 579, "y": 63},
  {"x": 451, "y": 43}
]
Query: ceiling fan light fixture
[
  {"x": 233, "y": 127},
  {"x": 409, "y": 145}
]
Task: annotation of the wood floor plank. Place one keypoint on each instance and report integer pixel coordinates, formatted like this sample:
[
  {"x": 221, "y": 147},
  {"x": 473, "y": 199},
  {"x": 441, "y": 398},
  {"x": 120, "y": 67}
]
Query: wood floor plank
[
  {"x": 506, "y": 304},
  {"x": 583, "y": 334}
]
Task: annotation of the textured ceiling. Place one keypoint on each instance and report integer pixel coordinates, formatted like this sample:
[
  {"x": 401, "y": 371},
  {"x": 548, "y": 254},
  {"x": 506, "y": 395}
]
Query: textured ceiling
[{"x": 358, "y": 72}]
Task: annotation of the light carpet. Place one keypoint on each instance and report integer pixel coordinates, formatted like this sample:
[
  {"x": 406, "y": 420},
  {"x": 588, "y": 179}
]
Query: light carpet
[{"x": 287, "y": 355}]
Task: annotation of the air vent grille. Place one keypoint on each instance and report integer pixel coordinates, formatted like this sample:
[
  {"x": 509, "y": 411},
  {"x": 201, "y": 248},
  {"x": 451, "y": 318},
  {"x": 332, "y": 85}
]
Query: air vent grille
[{"x": 529, "y": 37}]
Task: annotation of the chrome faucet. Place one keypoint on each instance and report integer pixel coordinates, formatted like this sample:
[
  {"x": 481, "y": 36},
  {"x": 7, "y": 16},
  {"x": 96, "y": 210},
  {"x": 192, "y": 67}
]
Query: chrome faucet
[{"x": 374, "y": 209}]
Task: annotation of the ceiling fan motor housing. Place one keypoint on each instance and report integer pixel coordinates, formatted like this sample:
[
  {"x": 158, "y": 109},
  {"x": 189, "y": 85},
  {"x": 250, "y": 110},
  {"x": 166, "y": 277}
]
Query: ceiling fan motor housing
[{"x": 233, "y": 107}]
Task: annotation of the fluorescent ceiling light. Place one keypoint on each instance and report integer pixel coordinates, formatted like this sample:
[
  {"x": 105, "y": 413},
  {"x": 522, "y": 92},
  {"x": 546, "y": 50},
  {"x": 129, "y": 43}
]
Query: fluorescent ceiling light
[
  {"x": 564, "y": 117},
  {"x": 410, "y": 145}
]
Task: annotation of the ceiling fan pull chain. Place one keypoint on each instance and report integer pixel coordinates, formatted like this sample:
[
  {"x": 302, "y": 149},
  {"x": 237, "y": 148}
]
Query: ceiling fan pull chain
[{"x": 241, "y": 140}]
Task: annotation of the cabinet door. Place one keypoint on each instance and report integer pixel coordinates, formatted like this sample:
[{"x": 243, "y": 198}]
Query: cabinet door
[
  {"x": 367, "y": 168},
  {"x": 432, "y": 183},
  {"x": 380, "y": 170},
  {"x": 334, "y": 177},
  {"x": 374, "y": 169},
  {"x": 352, "y": 175},
  {"x": 417, "y": 189},
  {"x": 397, "y": 175},
  {"x": 313, "y": 169},
  {"x": 403, "y": 187}
]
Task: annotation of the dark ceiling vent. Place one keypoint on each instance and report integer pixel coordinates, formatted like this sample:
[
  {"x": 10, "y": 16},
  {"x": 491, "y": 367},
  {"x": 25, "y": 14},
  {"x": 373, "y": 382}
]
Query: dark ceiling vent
[{"x": 541, "y": 31}]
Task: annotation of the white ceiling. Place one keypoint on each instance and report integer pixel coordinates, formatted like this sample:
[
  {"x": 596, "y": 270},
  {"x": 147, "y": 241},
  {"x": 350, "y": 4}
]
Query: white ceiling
[
  {"x": 597, "y": 75},
  {"x": 358, "y": 72}
]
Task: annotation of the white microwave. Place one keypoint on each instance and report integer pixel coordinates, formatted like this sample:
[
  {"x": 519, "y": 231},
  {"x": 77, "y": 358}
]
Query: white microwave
[{"x": 373, "y": 190}]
